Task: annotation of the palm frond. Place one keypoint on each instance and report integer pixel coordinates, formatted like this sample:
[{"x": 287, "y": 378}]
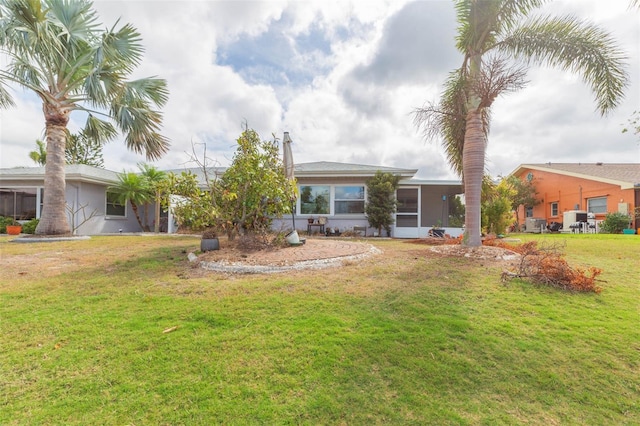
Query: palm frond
[
  {"x": 495, "y": 79},
  {"x": 6, "y": 100},
  {"x": 122, "y": 48},
  {"x": 573, "y": 45},
  {"x": 481, "y": 22},
  {"x": 99, "y": 130},
  {"x": 447, "y": 119}
]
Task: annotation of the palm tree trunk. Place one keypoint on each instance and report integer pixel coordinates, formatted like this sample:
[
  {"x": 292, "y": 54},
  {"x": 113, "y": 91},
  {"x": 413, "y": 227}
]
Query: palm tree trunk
[
  {"x": 134, "y": 207},
  {"x": 53, "y": 219},
  {"x": 156, "y": 226},
  {"x": 473, "y": 167}
]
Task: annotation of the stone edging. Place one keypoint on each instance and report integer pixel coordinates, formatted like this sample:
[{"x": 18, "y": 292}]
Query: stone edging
[{"x": 241, "y": 268}]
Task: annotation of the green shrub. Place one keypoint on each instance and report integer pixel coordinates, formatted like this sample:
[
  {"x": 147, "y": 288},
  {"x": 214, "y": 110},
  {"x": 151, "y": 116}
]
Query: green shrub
[
  {"x": 614, "y": 223},
  {"x": 30, "y": 226}
]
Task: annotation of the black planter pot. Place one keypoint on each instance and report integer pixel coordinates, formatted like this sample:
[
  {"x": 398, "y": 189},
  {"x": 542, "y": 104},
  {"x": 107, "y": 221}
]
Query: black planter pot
[
  {"x": 439, "y": 233},
  {"x": 209, "y": 244}
]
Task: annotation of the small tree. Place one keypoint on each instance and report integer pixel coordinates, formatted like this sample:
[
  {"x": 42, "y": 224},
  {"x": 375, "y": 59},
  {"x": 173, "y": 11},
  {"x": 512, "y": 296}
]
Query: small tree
[
  {"x": 523, "y": 194},
  {"x": 155, "y": 180},
  {"x": 192, "y": 205},
  {"x": 381, "y": 202},
  {"x": 134, "y": 188},
  {"x": 253, "y": 189},
  {"x": 496, "y": 206}
]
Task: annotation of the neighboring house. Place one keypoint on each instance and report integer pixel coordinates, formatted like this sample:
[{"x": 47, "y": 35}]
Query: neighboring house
[
  {"x": 90, "y": 208},
  {"x": 566, "y": 188},
  {"x": 333, "y": 191}
]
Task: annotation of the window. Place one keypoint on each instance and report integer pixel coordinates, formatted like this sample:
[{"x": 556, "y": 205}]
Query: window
[
  {"x": 554, "y": 208},
  {"x": 114, "y": 208},
  {"x": 349, "y": 200},
  {"x": 528, "y": 211},
  {"x": 314, "y": 199},
  {"x": 597, "y": 205}
]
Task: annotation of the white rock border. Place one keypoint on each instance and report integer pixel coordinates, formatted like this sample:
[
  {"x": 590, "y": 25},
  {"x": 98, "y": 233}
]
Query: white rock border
[{"x": 243, "y": 268}]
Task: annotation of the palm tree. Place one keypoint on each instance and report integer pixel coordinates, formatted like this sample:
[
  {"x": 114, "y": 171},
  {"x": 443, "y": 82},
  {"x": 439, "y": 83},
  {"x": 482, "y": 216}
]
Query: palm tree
[
  {"x": 154, "y": 179},
  {"x": 133, "y": 188},
  {"x": 490, "y": 33},
  {"x": 58, "y": 50},
  {"x": 39, "y": 156}
]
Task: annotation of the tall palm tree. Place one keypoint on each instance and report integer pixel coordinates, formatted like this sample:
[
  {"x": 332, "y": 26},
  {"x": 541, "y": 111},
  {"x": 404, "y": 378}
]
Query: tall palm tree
[
  {"x": 492, "y": 32},
  {"x": 58, "y": 50},
  {"x": 133, "y": 188}
]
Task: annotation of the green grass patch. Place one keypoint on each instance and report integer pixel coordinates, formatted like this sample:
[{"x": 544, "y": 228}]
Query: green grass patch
[{"x": 402, "y": 338}]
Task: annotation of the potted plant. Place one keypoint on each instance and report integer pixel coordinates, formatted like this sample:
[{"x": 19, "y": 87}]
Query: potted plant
[
  {"x": 209, "y": 240},
  {"x": 13, "y": 227}
]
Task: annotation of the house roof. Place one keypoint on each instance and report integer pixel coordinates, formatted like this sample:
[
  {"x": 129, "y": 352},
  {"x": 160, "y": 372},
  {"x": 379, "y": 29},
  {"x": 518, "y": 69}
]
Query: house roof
[
  {"x": 328, "y": 168},
  {"x": 84, "y": 173},
  {"x": 627, "y": 175},
  {"x": 317, "y": 169},
  {"x": 76, "y": 172}
]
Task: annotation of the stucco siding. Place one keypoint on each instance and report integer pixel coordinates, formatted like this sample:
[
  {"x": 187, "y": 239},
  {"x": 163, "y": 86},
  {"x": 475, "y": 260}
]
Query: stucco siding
[{"x": 572, "y": 193}]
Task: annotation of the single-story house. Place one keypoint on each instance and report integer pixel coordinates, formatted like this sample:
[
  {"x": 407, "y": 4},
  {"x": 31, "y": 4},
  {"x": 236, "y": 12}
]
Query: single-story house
[
  {"x": 333, "y": 192},
  {"x": 337, "y": 192},
  {"x": 570, "y": 192},
  {"x": 90, "y": 209}
]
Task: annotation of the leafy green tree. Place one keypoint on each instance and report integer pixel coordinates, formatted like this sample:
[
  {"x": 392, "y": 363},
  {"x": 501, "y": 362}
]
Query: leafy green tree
[
  {"x": 193, "y": 206},
  {"x": 58, "y": 50},
  {"x": 381, "y": 201},
  {"x": 523, "y": 194},
  {"x": 490, "y": 33},
  {"x": 133, "y": 188},
  {"x": 39, "y": 156},
  {"x": 81, "y": 149},
  {"x": 253, "y": 189},
  {"x": 78, "y": 150},
  {"x": 497, "y": 213}
]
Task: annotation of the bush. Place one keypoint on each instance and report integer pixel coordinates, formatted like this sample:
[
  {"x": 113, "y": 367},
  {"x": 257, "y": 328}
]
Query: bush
[
  {"x": 614, "y": 223},
  {"x": 30, "y": 226}
]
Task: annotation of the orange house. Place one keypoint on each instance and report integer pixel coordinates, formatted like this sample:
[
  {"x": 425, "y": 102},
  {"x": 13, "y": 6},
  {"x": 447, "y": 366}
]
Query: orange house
[{"x": 595, "y": 188}]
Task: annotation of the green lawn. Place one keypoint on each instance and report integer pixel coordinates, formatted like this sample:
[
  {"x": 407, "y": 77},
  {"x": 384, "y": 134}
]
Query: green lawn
[{"x": 401, "y": 338}]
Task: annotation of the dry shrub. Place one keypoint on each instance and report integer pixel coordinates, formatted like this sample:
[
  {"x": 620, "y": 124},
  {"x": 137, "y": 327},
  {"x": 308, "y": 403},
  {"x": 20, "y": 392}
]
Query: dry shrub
[{"x": 547, "y": 265}]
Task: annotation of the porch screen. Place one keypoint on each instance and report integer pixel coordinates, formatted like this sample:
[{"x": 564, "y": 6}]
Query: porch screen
[
  {"x": 18, "y": 203},
  {"x": 407, "y": 213}
]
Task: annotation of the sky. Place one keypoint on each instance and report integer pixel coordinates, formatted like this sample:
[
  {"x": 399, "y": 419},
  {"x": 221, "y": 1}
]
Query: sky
[{"x": 343, "y": 78}]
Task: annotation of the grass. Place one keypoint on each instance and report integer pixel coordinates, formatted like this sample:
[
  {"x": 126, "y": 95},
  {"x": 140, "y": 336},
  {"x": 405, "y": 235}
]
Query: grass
[{"x": 402, "y": 338}]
